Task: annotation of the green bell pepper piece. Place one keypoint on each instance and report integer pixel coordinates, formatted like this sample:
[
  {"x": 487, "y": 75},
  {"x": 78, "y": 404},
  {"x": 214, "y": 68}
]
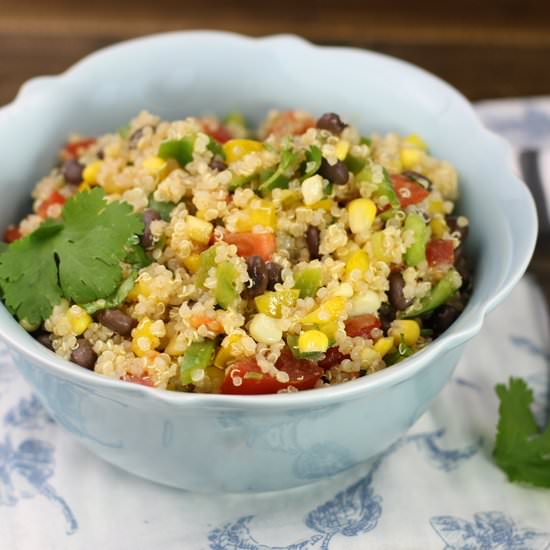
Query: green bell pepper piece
[
  {"x": 197, "y": 356},
  {"x": 416, "y": 253},
  {"x": 239, "y": 181},
  {"x": 178, "y": 149},
  {"x": 364, "y": 140},
  {"x": 225, "y": 292},
  {"x": 308, "y": 281},
  {"x": 206, "y": 261},
  {"x": 402, "y": 352},
  {"x": 443, "y": 290},
  {"x": 354, "y": 164}
]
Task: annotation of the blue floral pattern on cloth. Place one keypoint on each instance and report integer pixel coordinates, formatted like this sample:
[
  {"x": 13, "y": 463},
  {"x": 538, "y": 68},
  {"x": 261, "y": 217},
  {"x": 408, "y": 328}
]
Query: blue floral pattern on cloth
[
  {"x": 353, "y": 511},
  {"x": 26, "y": 468},
  {"x": 488, "y": 531}
]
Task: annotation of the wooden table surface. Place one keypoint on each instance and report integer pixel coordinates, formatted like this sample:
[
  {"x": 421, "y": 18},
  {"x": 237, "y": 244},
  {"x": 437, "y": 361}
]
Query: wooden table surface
[{"x": 486, "y": 49}]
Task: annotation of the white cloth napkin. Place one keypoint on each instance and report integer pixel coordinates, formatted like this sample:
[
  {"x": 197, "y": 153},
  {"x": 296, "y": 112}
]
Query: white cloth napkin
[{"x": 437, "y": 488}]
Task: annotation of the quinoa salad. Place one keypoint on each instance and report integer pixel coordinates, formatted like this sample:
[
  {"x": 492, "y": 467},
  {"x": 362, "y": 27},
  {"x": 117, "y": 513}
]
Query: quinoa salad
[{"x": 203, "y": 255}]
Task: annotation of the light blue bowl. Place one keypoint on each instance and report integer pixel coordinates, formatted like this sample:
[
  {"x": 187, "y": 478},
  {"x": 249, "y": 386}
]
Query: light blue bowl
[{"x": 230, "y": 443}]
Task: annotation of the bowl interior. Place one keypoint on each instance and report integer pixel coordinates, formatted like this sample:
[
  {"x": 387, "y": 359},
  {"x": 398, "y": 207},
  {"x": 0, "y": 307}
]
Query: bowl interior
[{"x": 198, "y": 73}]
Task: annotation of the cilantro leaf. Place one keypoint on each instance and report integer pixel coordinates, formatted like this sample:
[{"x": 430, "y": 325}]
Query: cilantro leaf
[
  {"x": 77, "y": 258},
  {"x": 521, "y": 449}
]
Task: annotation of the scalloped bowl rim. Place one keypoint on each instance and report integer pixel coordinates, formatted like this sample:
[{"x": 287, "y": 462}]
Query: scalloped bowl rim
[{"x": 352, "y": 389}]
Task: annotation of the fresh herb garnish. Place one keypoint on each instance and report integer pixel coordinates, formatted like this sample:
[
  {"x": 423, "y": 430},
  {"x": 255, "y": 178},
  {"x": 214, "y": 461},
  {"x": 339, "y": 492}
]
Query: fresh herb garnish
[
  {"x": 522, "y": 449},
  {"x": 77, "y": 257}
]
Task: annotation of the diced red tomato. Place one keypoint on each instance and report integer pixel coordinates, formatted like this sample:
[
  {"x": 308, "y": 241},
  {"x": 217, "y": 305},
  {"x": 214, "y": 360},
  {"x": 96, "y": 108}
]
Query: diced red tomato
[
  {"x": 408, "y": 192},
  {"x": 54, "y": 198},
  {"x": 143, "y": 380},
  {"x": 73, "y": 149},
  {"x": 289, "y": 122},
  {"x": 253, "y": 244},
  {"x": 11, "y": 234},
  {"x": 303, "y": 375},
  {"x": 333, "y": 357},
  {"x": 440, "y": 253},
  {"x": 362, "y": 325},
  {"x": 219, "y": 133}
]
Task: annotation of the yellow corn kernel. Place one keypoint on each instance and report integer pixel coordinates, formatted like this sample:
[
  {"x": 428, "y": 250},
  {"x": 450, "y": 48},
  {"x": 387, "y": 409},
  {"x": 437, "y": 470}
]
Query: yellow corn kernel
[
  {"x": 358, "y": 261},
  {"x": 416, "y": 141},
  {"x": 329, "y": 310},
  {"x": 343, "y": 289},
  {"x": 290, "y": 198},
  {"x": 329, "y": 329},
  {"x": 84, "y": 187},
  {"x": 439, "y": 227},
  {"x": 361, "y": 215},
  {"x": 225, "y": 353},
  {"x": 384, "y": 345},
  {"x": 311, "y": 341},
  {"x": 406, "y": 328},
  {"x": 324, "y": 204},
  {"x": 192, "y": 262},
  {"x": 143, "y": 339},
  {"x": 410, "y": 157},
  {"x": 263, "y": 213},
  {"x": 78, "y": 319},
  {"x": 379, "y": 249},
  {"x": 342, "y": 149},
  {"x": 272, "y": 303},
  {"x": 265, "y": 329},
  {"x": 89, "y": 175},
  {"x": 236, "y": 149},
  {"x": 176, "y": 346},
  {"x": 198, "y": 230},
  {"x": 156, "y": 166},
  {"x": 141, "y": 288},
  {"x": 436, "y": 207}
]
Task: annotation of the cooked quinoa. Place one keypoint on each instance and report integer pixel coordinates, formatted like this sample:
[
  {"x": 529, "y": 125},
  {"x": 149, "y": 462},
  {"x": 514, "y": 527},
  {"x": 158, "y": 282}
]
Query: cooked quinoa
[{"x": 297, "y": 255}]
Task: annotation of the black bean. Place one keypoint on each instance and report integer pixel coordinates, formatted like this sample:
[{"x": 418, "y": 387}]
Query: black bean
[
  {"x": 418, "y": 178},
  {"x": 336, "y": 173},
  {"x": 274, "y": 274},
  {"x": 84, "y": 355},
  {"x": 149, "y": 215},
  {"x": 442, "y": 318},
  {"x": 117, "y": 320},
  {"x": 396, "y": 296},
  {"x": 101, "y": 154},
  {"x": 44, "y": 338},
  {"x": 258, "y": 274},
  {"x": 218, "y": 164},
  {"x": 386, "y": 314},
  {"x": 331, "y": 122},
  {"x": 313, "y": 240},
  {"x": 72, "y": 171},
  {"x": 134, "y": 138},
  {"x": 452, "y": 223}
]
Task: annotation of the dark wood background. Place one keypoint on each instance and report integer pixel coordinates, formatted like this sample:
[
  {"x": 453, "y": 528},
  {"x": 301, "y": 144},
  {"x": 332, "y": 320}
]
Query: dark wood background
[{"x": 485, "y": 48}]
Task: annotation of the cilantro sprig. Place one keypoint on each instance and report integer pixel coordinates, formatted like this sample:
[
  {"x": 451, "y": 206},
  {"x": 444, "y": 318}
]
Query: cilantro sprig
[
  {"x": 77, "y": 257},
  {"x": 522, "y": 449}
]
